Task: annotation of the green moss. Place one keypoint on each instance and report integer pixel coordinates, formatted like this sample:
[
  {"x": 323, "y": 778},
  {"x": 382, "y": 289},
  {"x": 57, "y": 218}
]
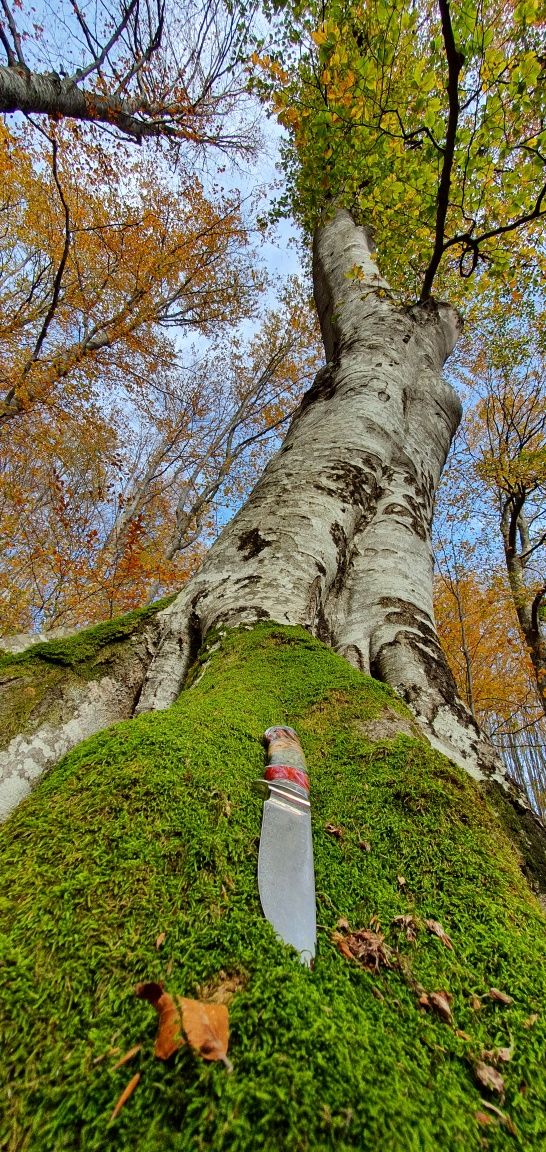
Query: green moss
[
  {"x": 152, "y": 827},
  {"x": 85, "y": 645},
  {"x": 31, "y": 681}
]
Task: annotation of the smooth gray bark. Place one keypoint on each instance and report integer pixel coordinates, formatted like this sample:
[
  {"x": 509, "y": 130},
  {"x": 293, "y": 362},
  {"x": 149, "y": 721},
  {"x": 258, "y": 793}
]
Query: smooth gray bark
[{"x": 336, "y": 535}]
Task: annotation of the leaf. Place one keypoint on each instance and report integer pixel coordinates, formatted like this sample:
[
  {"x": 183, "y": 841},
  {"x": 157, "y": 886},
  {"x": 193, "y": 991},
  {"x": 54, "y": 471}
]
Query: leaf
[
  {"x": 503, "y": 1117},
  {"x": 335, "y": 830},
  {"x": 207, "y": 1028},
  {"x": 402, "y": 882},
  {"x": 128, "y": 1056},
  {"x": 366, "y": 947},
  {"x": 127, "y": 1092},
  {"x": 407, "y": 924},
  {"x": 161, "y": 940},
  {"x": 531, "y": 1020},
  {"x": 435, "y": 927},
  {"x": 488, "y": 1077},
  {"x": 500, "y": 997},
  {"x": 476, "y": 1004},
  {"x": 439, "y": 1002},
  {"x": 483, "y": 1118},
  {"x": 364, "y": 845},
  {"x": 169, "y": 1035}
]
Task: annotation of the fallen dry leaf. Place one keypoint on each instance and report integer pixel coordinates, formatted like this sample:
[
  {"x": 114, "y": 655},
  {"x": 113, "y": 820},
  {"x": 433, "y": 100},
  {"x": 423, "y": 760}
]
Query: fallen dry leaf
[
  {"x": 207, "y": 1027},
  {"x": 483, "y": 1118},
  {"x": 503, "y": 1117},
  {"x": 407, "y": 924},
  {"x": 206, "y": 1024},
  {"x": 531, "y": 1020},
  {"x": 475, "y": 1003},
  {"x": 161, "y": 940},
  {"x": 364, "y": 845},
  {"x": 127, "y": 1091},
  {"x": 224, "y": 988},
  {"x": 335, "y": 830},
  {"x": 402, "y": 882},
  {"x": 500, "y": 997},
  {"x": 128, "y": 1056},
  {"x": 343, "y": 925},
  {"x": 366, "y": 947},
  {"x": 439, "y": 1002},
  {"x": 169, "y": 1034},
  {"x": 435, "y": 927},
  {"x": 498, "y": 1054},
  {"x": 488, "y": 1077}
]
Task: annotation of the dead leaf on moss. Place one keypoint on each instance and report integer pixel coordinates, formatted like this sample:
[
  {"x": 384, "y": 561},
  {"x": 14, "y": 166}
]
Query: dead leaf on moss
[
  {"x": 343, "y": 925},
  {"x": 364, "y": 845},
  {"x": 207, "y": 1027},
  {"x": 223, "y": 989},
  {"x": 531, "y": 1020},
  {"x": 205, "y": 1024},
  {"x": 497, "y": 1055},
  {"x": 169, "y": 1030},
  {"x": 366, "y": 947},
  {"x": 439, "y": 1002},
  {"x": 161, "y": 940},
  {"x": 402, "y": 882},
  {"x": 435, "y": 927},
  {"x": 127, "y": 1092},
  {"x": 488, "y": 1077},
  {"x": 475, "y": 1003},
  {"x": 335, "y": 830},
  {"x": 128, "y": 1056},
  {"x": 483, "y": 1118},
  {"x": 502, "y": 1116},
  {"x": 407, "y": 924},
  {"x": 500, "y": 997}
]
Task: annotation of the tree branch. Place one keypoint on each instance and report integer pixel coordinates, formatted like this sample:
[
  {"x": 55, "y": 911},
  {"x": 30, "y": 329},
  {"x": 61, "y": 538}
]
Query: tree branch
[{"x": 455, "y": 61}]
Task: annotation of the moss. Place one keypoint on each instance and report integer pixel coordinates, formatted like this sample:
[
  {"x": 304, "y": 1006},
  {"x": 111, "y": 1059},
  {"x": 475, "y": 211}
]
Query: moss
[
  {"x": 31, "y": 681},
  {"x": 152, "y": 827}
]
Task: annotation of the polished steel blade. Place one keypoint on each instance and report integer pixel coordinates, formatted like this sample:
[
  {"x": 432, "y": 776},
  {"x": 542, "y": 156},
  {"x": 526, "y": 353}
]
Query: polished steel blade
[{"x": 286, "y": 879}]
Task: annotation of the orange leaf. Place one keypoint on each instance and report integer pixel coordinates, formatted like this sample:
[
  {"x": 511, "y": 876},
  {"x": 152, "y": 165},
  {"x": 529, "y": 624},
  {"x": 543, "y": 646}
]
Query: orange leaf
[
  {"x": 207, "y": 1028},
  {"x": 169, "y": 1036},
  {"x": 161, "y": 940},
  {"x": 127, "y": 1091}
]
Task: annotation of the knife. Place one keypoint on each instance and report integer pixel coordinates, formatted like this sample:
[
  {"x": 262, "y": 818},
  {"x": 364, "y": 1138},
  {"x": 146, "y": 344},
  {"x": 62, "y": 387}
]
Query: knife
[{"x": 286, "y": 877}]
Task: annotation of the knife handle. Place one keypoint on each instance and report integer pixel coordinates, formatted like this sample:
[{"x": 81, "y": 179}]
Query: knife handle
[{"x": 285, "y": 757}]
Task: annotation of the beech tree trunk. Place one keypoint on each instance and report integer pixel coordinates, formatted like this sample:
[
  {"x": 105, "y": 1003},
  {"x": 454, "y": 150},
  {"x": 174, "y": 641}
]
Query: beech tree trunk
[{"x": 337, "y": 533}]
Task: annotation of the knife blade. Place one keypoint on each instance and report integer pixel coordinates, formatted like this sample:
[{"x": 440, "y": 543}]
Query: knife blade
[{"x": 286, "y": 876}]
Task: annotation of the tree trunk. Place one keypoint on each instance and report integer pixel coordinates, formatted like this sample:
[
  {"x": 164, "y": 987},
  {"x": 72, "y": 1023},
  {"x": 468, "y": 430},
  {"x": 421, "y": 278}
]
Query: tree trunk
[{"x": 336, "y": 535}]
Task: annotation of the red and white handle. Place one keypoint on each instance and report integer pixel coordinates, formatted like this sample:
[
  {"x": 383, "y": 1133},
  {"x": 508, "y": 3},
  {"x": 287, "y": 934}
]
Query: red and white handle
[{"x": 286, "y": 761}]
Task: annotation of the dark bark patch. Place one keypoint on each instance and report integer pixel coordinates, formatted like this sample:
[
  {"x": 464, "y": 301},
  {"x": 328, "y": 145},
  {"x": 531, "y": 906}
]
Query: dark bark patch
[
  {"x": 322, "y": 388},
  {"x": 251, "y": 543},
  {"x": 339, "y": 536},
  {"x": 352, "y": 484}
]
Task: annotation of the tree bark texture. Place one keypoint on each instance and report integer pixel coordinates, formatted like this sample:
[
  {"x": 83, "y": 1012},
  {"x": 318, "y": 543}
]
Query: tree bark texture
[{"x": 336, "y": 535}]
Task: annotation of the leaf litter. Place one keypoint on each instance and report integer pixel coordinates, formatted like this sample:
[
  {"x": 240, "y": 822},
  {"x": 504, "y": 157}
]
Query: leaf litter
[{"x": 203, "y": 1023}]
